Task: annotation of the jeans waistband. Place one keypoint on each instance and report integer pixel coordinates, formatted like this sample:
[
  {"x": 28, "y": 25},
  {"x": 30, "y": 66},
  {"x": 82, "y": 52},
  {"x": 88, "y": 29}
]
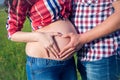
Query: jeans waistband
[{"x": 45, "y": 61}]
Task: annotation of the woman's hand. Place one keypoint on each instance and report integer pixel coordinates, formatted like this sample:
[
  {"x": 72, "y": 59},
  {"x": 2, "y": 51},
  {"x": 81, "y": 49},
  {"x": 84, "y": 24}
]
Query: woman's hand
[
  {"x": 47, "y": 39},
  {"x": 44, "y": 38}
]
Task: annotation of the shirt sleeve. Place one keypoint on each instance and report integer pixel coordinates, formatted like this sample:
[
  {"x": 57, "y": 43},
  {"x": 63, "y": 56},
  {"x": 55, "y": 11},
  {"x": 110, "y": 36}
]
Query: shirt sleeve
[{"x": 16, "y": 16}]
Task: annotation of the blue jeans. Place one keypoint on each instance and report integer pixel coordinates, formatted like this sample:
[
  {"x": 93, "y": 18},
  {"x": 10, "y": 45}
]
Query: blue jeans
[
  {"x": 104, "y": 69},
  {"x": 46, "y": 69}
]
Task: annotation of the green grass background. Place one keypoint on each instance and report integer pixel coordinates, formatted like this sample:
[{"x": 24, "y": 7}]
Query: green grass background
[{"x": 12, "y": 54}]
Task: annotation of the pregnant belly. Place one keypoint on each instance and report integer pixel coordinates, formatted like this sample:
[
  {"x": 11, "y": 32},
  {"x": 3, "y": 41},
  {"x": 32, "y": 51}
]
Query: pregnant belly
[{"x": 36, "y": 49}]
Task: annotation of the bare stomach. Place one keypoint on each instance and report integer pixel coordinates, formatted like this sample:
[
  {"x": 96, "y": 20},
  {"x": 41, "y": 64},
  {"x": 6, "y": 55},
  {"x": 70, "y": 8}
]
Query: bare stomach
[{"x": 36, "y": 49}]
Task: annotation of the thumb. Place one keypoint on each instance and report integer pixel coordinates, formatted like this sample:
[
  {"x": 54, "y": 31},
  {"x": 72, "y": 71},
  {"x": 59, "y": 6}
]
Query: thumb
[
  {"x": 55, "y": 34},
  {"x": 66, "y": 35}
]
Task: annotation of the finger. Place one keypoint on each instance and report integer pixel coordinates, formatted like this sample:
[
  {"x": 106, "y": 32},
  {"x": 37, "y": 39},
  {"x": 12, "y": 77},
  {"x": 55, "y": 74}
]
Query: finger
[
  {"x": 55, "y": 48},
  {"x": 48, "y": 55},
  {"x": 67, "y": 52},
  {"x": 69, "y": 45},
  {"x": 55, "y": 34},
  {"x": 51, "y": 50},
  {"x": 65, "y": 49},
  {"x": 67, "y": 56},
  {"x": 66, "y": 35},
  {"x": 69, "y": 35}
]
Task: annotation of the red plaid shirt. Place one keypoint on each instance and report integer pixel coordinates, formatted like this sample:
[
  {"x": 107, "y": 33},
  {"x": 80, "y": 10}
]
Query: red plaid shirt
[
  {"x": 40, "y": 13},
  {"x": 86, "y": 15}
]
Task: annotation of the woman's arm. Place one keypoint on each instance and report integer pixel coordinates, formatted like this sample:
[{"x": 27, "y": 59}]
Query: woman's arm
[
  {"x": 17, "y": 11},
  {"x": 16, "y": 18},
  {"x": 20, "y": 36}
]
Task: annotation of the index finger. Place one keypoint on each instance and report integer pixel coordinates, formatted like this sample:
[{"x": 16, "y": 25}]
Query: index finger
[
  {"x": 67, "y": 53},
  {"x": 64, "y": 49},
  {"x": 56, "y": 48}
]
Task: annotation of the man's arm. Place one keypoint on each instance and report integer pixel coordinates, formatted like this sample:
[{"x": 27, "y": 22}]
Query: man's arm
[{"x": 111, "y": 24}]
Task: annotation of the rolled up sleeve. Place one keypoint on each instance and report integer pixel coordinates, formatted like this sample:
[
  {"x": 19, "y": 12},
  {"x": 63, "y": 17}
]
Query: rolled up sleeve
[{"x": 16, "y": 16}]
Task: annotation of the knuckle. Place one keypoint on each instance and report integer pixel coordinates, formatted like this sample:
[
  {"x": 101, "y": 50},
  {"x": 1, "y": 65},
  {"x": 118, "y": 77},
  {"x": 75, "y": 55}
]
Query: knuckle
[
  {"x": 51, "y": 42},
  {"x": 72, "y": 45},
  {"x": 47, "y": 46},
  {"x": 71, "y": 33},
  {"x": 50, "y": 45}
]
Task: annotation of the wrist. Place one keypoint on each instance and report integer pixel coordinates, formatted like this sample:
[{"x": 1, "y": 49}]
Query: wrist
[
  {"x": 86, "y": 37},
  {"x": 36, "y": 36},
  {"x": 82, "y": 39}
]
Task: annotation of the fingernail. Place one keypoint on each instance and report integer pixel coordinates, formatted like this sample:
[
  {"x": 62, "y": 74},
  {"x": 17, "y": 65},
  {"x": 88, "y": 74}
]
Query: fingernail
[{"x": 60, "y": 34}]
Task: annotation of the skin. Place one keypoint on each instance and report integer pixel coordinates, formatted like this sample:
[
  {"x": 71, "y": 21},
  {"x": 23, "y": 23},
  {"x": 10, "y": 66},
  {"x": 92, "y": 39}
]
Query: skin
[
  {"x": 76, "y": 40},
  {"x": 111, "y": 24},
  {"x": 47, "y": 41},
  {"x": 45, "y": 38}
]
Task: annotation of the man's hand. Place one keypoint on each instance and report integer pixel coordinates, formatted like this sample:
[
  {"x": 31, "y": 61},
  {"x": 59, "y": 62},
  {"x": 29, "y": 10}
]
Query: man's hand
[
  {"x": 116, "y": 6},
  {"x": 74, "y": 45}
]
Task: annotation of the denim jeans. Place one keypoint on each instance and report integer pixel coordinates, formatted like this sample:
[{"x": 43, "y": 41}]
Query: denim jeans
[
  {"x": 104, "y": 69},
  {"x": 46, "y": 69}
]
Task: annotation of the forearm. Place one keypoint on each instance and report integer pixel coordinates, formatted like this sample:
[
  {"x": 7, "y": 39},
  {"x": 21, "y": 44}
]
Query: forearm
[
  {"x": 110, "y": 25},
  {"x": 24, "y": 36}
]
